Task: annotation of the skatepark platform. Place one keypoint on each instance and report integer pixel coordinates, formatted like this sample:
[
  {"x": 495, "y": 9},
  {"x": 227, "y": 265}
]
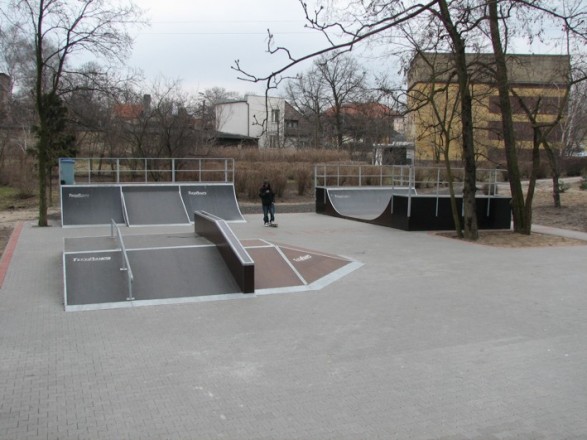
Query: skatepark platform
[
  {"x": 146, "y": 204},
  {"x": 407, "y": 197},
  {"x": 404, "y": 209},
  {"x": 125, "y": 270}
]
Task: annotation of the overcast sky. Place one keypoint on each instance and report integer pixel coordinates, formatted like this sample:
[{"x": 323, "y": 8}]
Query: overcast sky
[{"x": 198, "y": 41}]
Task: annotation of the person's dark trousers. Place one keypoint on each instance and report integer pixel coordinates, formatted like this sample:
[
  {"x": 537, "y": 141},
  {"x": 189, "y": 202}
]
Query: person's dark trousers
[{"x": 268, "y": 213}]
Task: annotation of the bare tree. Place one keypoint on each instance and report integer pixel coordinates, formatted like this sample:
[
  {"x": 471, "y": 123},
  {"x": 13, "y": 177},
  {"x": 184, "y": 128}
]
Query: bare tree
[
  {"x": 439, "y": 98},
  {"x": 346, "y": 84},
  {"x": 499, "y": 16},
  {"x": 306, "y": 93},
  {"x": 465, "y": 24},
  {"x": 374, "y": 20},
  {"x": 16, "y": 57},
  {"x": 58, "y": 30},
  {"x": 575, "y": 124}
]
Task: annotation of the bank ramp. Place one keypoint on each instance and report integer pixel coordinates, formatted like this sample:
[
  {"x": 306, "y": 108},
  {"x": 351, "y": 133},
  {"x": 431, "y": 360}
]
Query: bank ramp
[{"x": 146, "y": 204}]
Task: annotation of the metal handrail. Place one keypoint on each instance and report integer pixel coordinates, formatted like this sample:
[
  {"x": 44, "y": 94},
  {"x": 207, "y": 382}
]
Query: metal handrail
[{"x": 125, "y": 262}]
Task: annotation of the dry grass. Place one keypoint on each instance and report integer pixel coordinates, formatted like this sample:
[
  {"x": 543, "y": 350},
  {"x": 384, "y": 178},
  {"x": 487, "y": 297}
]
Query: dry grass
[{"x": 571, "y": 216}]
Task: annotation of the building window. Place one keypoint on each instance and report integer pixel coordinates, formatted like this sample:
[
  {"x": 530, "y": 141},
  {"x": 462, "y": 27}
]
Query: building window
[
  {"x": 273, "y": 141},
  {"x": 275, "y": 115},
  {"x": 291, "y": 123}
]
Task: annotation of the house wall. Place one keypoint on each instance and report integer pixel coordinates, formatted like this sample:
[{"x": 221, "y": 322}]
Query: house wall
[
  {"x": 232, "y": 117},
  {"x": 250, "y": 117},
  {"x": 267, "y": 123}
]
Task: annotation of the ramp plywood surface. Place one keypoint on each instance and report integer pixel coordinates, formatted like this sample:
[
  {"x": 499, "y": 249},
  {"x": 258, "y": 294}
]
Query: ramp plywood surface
[
  {"x": 180, "y": 272},
  {"x": 154, "y": 205},
  {"x": 90, "y": 205},
  {"x": 360, "y": 203},
  {"x": 218, "y": 199},
  {"x": 92, "y": 278},
  {"x": 311, "y": 265},
  {"x": 271, "y": 270}
]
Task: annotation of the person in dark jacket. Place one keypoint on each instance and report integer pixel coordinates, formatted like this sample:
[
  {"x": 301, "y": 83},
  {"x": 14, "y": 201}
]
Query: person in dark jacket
[{"x": 268, "y": 201}]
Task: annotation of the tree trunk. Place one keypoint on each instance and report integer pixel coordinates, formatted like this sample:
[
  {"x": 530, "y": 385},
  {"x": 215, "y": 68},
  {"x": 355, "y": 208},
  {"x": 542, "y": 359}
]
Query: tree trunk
[
  {"x": 456, "y": 215},
  {"x": 471, "y": 231},
  {"x": 519, "y": 212},
  {"x": 555, "y": 171},
  {"x": 556, "y": 191},
  {"x": 42, "y": 159},
  {"x": 338, "y": 124},
  {"x": 533, "y": 178}
]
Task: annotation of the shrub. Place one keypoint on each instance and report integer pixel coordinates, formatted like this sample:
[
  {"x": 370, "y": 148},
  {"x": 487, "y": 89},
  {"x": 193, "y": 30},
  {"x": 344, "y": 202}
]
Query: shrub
[
  {"x": 574, "y": 166},
  {"x": 563, "y": 186},
  {"x": 277, "y": 176},
  {"x": 303, "y": 178}
]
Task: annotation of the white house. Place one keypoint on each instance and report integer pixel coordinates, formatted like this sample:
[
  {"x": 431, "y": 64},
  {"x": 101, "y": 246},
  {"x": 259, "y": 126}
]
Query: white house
[{"x": 253, "y": 117}]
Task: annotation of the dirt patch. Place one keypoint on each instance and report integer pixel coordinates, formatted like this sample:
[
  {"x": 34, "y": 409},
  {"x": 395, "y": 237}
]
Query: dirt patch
[
  {"x": 571, "y": 216},
  {"x": 509, "y": 239}
]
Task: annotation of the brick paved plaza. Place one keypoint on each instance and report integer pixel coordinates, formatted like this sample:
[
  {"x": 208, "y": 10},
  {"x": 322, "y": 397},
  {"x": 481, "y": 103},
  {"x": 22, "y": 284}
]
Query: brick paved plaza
[{"x": 430, "y": 339}]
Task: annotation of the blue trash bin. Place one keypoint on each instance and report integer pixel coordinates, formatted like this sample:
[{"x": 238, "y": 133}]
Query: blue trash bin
[{"x": 67, "y": 171}]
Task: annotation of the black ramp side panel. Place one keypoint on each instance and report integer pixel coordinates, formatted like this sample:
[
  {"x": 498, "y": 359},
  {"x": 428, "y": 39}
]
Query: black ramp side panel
[
  {"x": 154, "y": 205},
  {"x": 95, "y": 278},
  {"x": 90, "y": 205},
  {"x": 362, "y": 203},
  {"x": 218, "y": 200},
  {"x": 180, "y": 272}
]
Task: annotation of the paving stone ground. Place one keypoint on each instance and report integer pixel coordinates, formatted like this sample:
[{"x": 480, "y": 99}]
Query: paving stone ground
[{"x": 431, "y": 338}]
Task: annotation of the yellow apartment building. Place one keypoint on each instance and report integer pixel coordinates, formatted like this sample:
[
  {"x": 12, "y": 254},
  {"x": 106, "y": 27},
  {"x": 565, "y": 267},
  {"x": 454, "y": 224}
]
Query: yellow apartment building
[{"x": 538, "y": 82}]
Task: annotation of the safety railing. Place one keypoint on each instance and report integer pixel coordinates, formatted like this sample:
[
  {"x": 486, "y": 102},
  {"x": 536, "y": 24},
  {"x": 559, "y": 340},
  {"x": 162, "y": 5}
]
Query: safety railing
[
  {"x": 145, "y": 170},
  {"x": 115, "y": 233},
  {"x": 420, "y": 181},
  {"x": 426, "y": 180}
]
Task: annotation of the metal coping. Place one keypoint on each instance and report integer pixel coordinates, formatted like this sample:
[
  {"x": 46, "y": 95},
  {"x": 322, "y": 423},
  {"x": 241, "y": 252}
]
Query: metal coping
[{"x": 229, "y": 237}]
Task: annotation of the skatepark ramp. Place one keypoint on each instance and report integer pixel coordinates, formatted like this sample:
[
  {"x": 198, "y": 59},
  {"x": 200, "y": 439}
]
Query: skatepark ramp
[
  {"x": 146, "y": 205},
  {"x": 405, "y": 197},
  {"x": 116, "y": 270},
  {"x": 146, "y": 191},
  {"x": 237, "y": 259},
  {"x": 125, "y": 269},
  {"x": 91, "y": 205},
  {"x": 361, "y": 204}
]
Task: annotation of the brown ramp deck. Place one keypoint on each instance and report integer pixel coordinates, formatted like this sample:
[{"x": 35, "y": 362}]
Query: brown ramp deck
[{"x": 289, "y": 268}]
